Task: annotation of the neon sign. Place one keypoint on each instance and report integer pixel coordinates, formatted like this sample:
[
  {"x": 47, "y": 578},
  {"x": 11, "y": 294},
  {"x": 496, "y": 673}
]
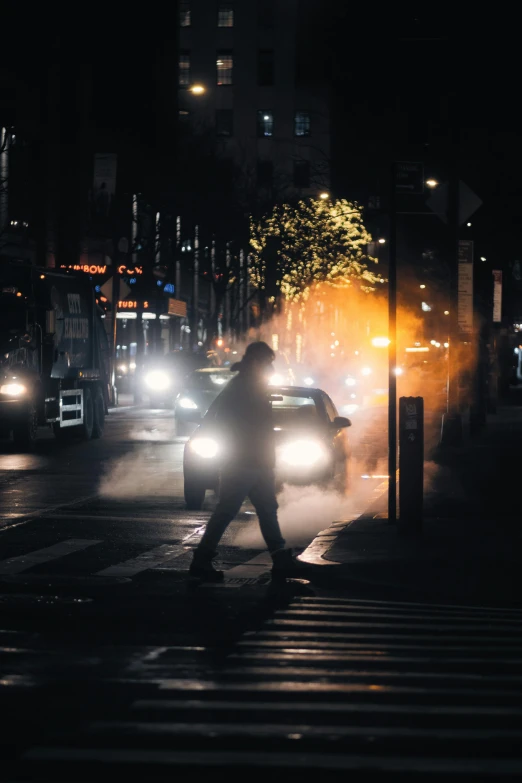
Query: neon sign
[
  {"x": 125, "y": 270},
  {"x": 91, "y": 269},
  {"x": 130, "y": 304}
]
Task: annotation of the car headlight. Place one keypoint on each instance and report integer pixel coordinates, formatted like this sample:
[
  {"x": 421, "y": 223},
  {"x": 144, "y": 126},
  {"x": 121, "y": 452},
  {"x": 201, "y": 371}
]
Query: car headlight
[
  {"x": 13, "y": 389},
  {"x": 302, "y": 453},
  {"x": 205, "y": 447},
  {"x": 350, "y": 381},
  {"x": 157, "y": 380},
  {"x": 123, "y": 368},
  {"x": 308, "y": 381},
  {"x": 186, "y": 402},
  {"x": 276, "y": 380}
]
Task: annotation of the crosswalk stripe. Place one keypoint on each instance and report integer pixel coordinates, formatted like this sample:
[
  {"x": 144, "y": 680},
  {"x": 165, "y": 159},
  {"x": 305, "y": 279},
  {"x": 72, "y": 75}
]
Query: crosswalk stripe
[
  {"x": 270, "y": 759},
  {"x": 15, "y": 565},
  {"x": 145, "y": 561},
  {"x": 257, "y": 566}
]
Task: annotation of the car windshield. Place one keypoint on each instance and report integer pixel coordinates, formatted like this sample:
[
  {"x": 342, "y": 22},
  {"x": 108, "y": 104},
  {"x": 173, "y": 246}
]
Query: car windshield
[
  {"x": 291, "y": 412},
  {"x": 208, "y": 380}
]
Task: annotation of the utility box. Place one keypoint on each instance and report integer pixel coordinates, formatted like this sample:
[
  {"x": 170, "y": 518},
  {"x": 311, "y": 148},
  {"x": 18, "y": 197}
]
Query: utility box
[{"x": 411, "y": 465}]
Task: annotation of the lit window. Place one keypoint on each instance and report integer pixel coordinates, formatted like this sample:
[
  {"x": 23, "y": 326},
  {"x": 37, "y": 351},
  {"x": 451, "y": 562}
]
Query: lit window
[
  {"x": 266, "y": 68},
  {"x": 302, "y": 123},
  {"x": 265, "y": 173},
  {"x": 265, "y": 124},
  {"x": 226, "y": 15},
  {"x": 224, "y": 64},
  {"x": 224, "y": 122},
  {"x": 301, "y": 174},
  {"x": 184, "y": 69},
  {"x": 184, "y": 13}
]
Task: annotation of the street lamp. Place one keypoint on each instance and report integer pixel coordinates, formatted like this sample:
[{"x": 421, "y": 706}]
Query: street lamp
[
  {"x": 197, "y": 89},
  {"x": 324, "y": 195},
  {"x": 381, "y": 241},
  {"x": 432, "y": 183},
  {"x": 482, "y": 258}
]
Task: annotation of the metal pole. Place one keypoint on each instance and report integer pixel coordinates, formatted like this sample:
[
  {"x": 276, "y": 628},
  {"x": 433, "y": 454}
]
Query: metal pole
[
  {"x": 392, "y": 357},
  {"x": 248, "y": 294},
  {"x": 227, "y": 293},
  {"x": 195, "y": 292},
  {"x": 241, "y": 319},
  {"x": 4, "y": 178},
  {"x": 452, "y": 422},
  {"x": 213, "y": 314}
]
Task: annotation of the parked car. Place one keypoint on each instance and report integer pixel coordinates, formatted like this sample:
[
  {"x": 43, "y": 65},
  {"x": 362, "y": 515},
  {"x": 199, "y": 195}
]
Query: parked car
[{"x": 311, "y": 444}]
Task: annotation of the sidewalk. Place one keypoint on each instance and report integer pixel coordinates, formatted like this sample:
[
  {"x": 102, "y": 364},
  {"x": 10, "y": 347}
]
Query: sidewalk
[{"x": 471, "y": 546}]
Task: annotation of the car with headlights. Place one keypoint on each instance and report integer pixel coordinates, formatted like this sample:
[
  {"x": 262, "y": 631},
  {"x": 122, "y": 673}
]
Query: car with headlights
[
  {"x": 199, "y": 391},
  {"x": 311, "y": 444},
  {"x": 161, "y": 379}
]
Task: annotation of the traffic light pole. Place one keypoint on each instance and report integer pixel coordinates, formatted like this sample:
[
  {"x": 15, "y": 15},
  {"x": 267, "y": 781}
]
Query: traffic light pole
[{"x": 392, "y": 355}]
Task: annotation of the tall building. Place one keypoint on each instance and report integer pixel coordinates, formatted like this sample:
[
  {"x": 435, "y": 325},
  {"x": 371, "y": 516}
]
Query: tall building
[{"x": 245, "y": 80}]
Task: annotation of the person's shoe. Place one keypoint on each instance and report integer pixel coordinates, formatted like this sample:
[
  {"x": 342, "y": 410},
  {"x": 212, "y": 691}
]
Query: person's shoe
[
  {"x": 202, "y": 569},
  {"x": 285, "y": 565}
]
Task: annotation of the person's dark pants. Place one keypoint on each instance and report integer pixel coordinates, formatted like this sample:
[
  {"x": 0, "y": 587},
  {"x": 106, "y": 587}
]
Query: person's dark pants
[{"x": 258, "y": 484}]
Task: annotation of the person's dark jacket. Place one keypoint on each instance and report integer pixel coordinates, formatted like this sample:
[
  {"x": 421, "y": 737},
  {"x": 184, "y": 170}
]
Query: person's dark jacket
[{"x": 242, "y": 418}]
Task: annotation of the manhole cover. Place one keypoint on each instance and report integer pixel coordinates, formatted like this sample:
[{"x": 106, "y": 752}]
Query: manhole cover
[
  {"x": 27, "y": 599},
  {"x": 58, "y": 580}
]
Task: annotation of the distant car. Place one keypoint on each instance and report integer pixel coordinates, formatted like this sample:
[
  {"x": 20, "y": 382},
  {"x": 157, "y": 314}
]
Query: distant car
[
  {"x": 311, "y": 444},
  {"x": 159, "y": 382},
  {"x": 199, "y": 391}
]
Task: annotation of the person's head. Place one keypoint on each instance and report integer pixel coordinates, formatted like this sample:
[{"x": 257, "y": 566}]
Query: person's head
[{"x": 257, "y": 360}]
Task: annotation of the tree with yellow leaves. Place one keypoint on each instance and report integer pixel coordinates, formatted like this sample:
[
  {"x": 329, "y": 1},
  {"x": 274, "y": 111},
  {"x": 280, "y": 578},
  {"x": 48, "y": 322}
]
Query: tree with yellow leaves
[{"x": 316, "y": 241}]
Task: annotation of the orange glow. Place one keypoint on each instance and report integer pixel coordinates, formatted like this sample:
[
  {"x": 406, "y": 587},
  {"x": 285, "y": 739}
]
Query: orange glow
[
  {"x": 131, "y": 304},
  {"x": 91, "y": 269}
]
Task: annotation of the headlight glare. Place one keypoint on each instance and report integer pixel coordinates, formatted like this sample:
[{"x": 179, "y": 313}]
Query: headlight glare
[
  {"x": 308, "y": 381},
  {"x": 302, "y": 453},
  {"x": 276, "y": 380},
  {"x": 157, "y": 380},
  {"x": 187, "y": 403},
  {"x": 205, "y": 447},
  {"x": 12, "y": 389}
]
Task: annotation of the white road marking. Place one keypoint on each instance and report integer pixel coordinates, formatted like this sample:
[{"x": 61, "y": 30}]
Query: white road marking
[
  {"x": 15, "y": 565},
  {"x": 146, "y": 561},
  {"x": 258, "y": 566}
]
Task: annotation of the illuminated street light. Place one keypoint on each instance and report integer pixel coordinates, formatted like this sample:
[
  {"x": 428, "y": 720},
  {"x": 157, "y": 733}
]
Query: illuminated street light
[
  {"x": 197, "y": 89},
  {"x": 422, "y": 286},
  {"x": 381, "y": 241},
  {"x": 446, "y": 312},
  {"x": 468, "y": 224},
  {"x": 380, "y": 342},
  {"x": 324, "y": 195},
  {"x": 432, "y": 183},
  {"x": 482, "y": 258},
  {"x": 426, "y": 307}
]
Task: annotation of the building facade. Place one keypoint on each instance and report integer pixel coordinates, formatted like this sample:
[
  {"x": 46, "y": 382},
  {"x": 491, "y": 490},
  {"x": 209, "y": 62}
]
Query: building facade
[{"x": 241, "y": 82}]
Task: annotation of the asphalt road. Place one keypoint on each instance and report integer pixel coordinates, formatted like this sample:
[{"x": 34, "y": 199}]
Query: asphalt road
[{"x": 112, "y": 663}]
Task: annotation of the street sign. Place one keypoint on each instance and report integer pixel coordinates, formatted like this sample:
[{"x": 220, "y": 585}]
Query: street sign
[
  {"x": 465, "y": 302},
  {"x": 497, "y": 296},
  {"x": 177, "y": 307},
  {"x": 469, "y": 202},
  {"x": 409, "y": 177},
  {"x": 106, "y": 289}
]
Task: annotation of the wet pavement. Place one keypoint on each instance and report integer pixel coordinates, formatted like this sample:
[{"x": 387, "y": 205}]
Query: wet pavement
[{"x": 112, "y": 662}]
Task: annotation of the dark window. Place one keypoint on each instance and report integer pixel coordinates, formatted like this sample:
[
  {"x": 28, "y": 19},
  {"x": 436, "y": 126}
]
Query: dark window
[
  {"x": 330, "y": 407},
  {"x": 184, "y": 69},
  {"x": 265, "y": 124},
  {"x": 224, "y": 122},
  {"x": 266, "y": 68},
  {"x": 301, "y": 174},
  {"x": 184, "y": 13},
  {"x": 265, "y": 173},
  {"x": 266, "y": 13},
  {"x": 226, "y": 15},
  {"x": 224, "y": 65},
  {"x": 302, "y": 123}
]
